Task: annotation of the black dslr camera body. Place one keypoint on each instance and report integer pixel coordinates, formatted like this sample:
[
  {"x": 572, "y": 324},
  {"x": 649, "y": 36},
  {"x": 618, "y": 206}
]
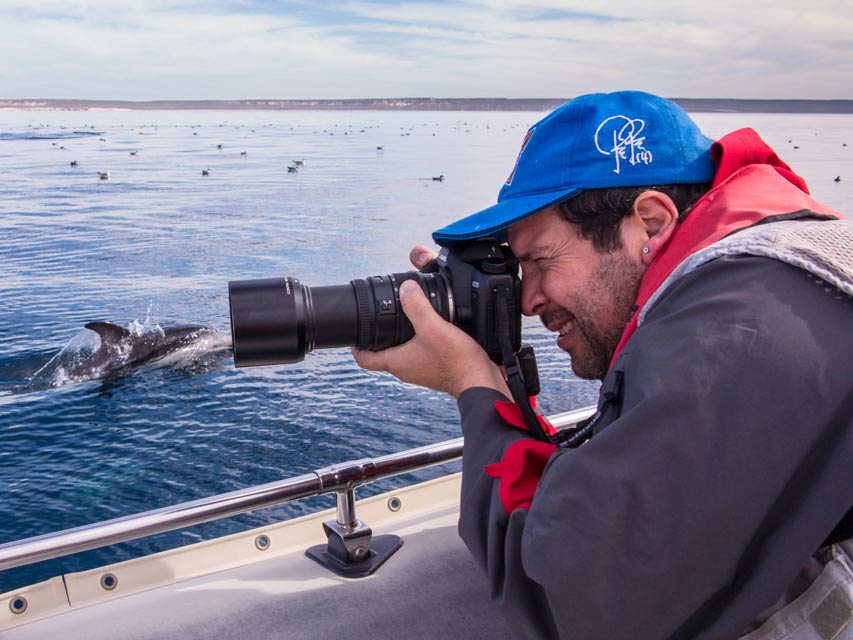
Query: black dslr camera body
[{"x": 474, "y": 285}]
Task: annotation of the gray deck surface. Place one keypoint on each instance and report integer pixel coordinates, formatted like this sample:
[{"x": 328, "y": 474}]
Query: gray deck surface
[{"x": 430, "y": 589}]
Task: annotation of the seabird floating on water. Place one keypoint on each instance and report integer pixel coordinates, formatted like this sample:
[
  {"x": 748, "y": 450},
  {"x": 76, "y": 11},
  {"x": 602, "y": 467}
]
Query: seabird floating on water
[{"x": 104, "y": 175}]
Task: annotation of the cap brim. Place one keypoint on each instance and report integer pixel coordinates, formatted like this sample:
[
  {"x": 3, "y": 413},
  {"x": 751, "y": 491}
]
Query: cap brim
[{"x": 497, "y": 218}]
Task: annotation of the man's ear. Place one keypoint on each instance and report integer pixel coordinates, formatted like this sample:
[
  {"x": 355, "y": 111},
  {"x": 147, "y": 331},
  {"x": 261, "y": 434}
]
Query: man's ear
[{"x": 655, "y": 216}]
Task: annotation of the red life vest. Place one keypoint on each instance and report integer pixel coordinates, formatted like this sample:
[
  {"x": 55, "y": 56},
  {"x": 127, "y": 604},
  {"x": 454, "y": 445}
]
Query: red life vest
[{"x": 751, "y": 184}]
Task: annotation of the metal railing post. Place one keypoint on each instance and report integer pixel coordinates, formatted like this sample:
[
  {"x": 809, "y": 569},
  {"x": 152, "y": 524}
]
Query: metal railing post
[{"x": 342, "y": 479}]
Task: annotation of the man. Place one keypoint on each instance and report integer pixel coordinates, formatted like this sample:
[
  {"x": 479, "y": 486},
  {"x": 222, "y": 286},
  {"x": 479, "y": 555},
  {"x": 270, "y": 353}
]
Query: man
[{"x": 712, "y": 297}]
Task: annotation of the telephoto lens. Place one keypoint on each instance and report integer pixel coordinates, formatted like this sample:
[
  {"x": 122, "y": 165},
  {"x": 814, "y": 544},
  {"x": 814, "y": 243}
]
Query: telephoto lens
[{"x": 279, "y": 320}]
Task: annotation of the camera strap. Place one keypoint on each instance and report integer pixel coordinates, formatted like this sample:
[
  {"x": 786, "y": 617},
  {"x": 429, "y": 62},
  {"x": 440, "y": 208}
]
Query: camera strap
[{"x": 520, "y": 385}]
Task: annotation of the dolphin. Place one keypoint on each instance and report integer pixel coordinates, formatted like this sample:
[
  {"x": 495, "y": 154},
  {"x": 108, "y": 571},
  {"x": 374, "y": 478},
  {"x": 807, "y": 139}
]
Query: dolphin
[{"x": 121, "y": 348}]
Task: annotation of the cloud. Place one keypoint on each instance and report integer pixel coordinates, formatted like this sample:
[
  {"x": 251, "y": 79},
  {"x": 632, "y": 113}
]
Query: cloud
[{"x": 153, "y": 49}]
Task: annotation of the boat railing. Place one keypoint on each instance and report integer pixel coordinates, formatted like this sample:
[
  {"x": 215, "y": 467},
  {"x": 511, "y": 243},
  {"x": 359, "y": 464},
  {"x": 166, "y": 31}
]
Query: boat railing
[{"x": 341, "y": 479}]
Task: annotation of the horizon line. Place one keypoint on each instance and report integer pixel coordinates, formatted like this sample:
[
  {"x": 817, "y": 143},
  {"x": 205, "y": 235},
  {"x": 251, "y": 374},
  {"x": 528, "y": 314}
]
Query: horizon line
[{"x": 780, "y": 105}]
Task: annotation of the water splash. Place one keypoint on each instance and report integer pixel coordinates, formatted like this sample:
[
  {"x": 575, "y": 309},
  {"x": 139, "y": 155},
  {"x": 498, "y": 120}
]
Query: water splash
[
  {"x": 196, "y": 352},
  {"x": 55, "y": 372}
]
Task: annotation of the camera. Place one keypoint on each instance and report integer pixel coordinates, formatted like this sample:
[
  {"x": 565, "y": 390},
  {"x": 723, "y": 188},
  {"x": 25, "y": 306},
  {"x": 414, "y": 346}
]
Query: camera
[{"x": 474, "y": 285}]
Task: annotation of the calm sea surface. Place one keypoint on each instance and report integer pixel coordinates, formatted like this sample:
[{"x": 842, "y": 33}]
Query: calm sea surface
[{"x": 156, "y": 244}]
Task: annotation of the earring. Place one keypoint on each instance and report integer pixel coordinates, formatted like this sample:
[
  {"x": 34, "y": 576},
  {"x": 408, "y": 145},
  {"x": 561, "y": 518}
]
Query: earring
[{"x": 645, "y": 249}]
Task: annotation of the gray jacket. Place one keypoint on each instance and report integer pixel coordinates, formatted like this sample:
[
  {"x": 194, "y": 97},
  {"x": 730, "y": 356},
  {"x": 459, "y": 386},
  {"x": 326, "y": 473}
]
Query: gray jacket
[{"x": 721, "y": 461}]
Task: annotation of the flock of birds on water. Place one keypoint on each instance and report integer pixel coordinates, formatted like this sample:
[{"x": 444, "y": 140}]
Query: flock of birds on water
[
  {"x": 293, "y": 167},
  {"x": 296, "y": 165}
]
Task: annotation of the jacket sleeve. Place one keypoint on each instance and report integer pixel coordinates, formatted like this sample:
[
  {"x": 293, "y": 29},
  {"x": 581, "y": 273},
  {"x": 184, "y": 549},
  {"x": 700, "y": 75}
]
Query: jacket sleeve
[
  {"x": 492, "y": 536},
  {"x": 694, "y": 509}
]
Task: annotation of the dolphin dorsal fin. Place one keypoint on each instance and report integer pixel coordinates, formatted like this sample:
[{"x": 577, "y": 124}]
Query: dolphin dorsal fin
[{"x": 109, "y": 332}]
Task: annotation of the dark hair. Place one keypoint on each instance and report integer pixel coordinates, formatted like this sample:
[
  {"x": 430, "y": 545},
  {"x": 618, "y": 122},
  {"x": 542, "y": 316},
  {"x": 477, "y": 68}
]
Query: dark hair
[{"x": 597, "y": 213}]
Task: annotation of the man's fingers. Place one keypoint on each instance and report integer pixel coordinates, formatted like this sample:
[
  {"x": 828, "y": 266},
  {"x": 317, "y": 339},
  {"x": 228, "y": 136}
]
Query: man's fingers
[
  {"x": 417, "y": 309},
  {"x": 420, "y": 256},
  {"x": 440, "y": 356},
  {"x": 370, "y": 360}
]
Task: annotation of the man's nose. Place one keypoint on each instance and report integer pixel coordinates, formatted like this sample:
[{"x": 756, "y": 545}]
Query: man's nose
[{"x": 533, "y": 301}]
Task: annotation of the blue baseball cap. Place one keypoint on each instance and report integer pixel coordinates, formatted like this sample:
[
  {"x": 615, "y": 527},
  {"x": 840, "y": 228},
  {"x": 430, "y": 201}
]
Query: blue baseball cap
[{"x": 596, "y": 141}]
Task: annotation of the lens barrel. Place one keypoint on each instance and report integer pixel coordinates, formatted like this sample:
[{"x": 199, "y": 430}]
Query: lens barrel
[
  {"x": 382, "y": 322},
  {"x": 279, "y": 320}
]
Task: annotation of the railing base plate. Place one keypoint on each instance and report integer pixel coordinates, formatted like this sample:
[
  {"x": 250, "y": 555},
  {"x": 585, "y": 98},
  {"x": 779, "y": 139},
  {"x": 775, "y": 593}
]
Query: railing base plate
[{"x": 381, "y": 548}]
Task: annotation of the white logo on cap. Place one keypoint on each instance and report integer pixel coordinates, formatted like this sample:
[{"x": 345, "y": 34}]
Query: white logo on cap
[{"x": 620, "y": 136}]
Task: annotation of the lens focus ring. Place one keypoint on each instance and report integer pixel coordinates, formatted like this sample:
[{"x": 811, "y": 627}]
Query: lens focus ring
[{"x": 366, "y": 322}]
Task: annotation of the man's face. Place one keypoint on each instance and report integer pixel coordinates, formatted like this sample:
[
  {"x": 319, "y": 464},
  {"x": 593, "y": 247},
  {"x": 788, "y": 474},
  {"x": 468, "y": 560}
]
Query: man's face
[{"x": 584, "y": 295}]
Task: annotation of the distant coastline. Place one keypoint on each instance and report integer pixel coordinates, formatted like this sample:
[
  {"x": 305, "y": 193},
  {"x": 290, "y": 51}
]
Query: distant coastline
[{"x": 694, "y": 105}]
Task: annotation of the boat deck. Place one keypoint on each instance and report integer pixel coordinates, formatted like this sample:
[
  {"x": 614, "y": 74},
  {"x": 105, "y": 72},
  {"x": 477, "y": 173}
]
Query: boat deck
[{"x": 228, "y": 588}]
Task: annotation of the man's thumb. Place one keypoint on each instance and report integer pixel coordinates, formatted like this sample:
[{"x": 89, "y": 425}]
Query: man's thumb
[{"x": 413, "y": 301}]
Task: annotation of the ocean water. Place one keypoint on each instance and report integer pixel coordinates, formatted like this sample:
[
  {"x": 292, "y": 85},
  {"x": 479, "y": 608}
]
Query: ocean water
[{"x": 156, "y": 244}]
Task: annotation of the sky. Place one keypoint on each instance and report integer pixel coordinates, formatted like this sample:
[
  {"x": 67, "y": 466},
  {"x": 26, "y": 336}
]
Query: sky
[{"x": 297, "y": 49}]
